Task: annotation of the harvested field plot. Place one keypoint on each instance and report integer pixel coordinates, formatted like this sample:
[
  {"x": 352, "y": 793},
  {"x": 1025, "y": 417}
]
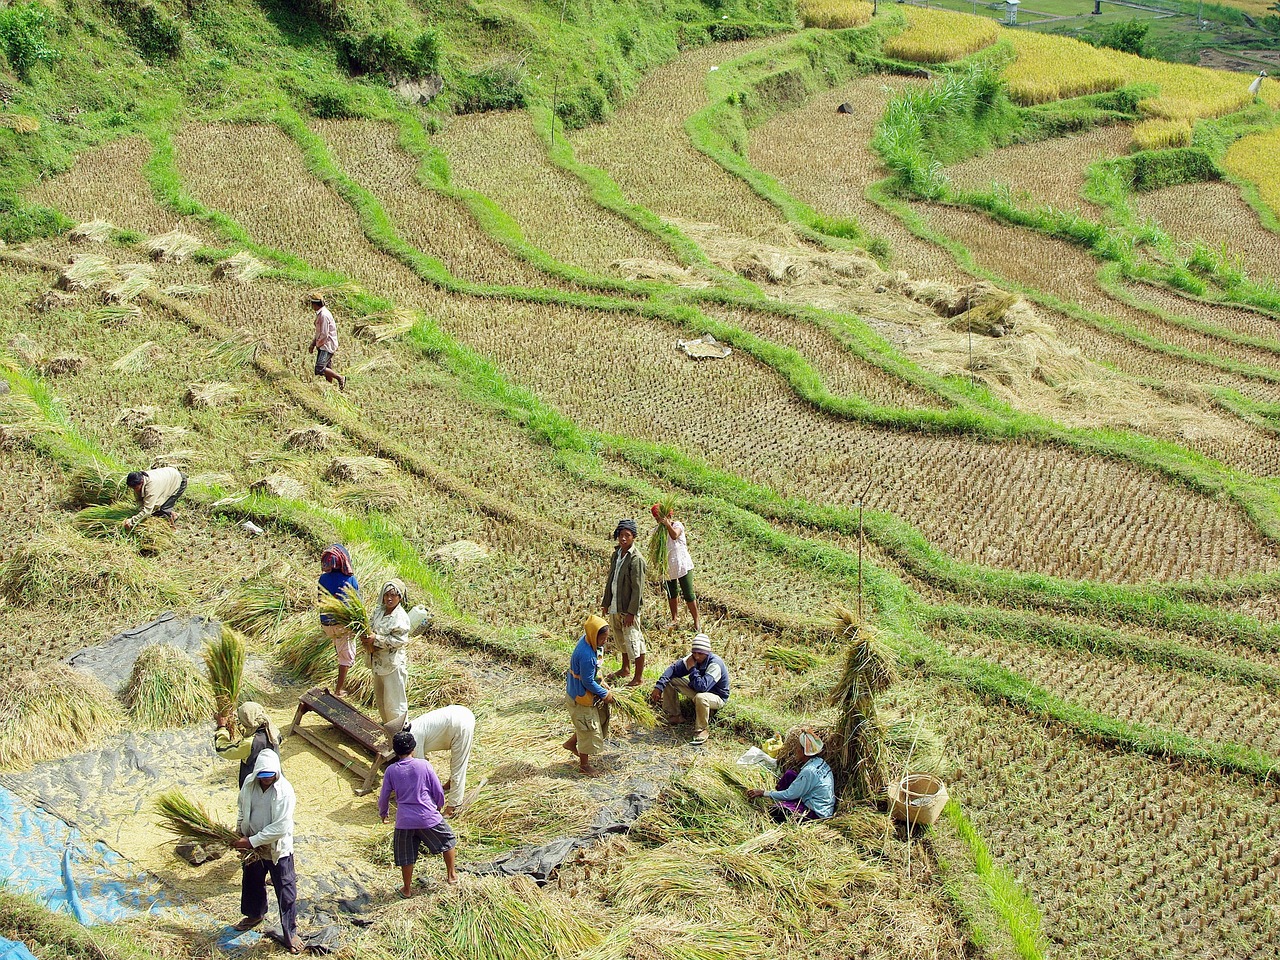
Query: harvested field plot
[
  {"x": 822, "y": 158},
  {"x": 733, "y": 415},
  {"x": 645, "y": 149},
  {"x": 371, "y": 155},
  {"x": 1216, "y": 215},
  {"x": 1125, "y": 855},
  {"x": 1050, "y": 172},
  {"x": 500, "y": 155},
  {"x": 1240, "y": 320}
]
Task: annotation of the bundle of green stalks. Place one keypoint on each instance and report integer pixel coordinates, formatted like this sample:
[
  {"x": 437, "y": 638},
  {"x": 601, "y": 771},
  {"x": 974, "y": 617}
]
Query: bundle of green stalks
[
  {"x": 55, "y": 564},
  {"x": 792, "y": 658},
  {"x": 165, "y": 690},
  {"x": 95, "y": 484},
  {"x": 855, "y": 746},
  {"x": 153, "y": 535},
  {"x": 384, "y": 326},
  {"x": 633, "y": 704},
  {"x": 51, "y": 712},
  {"x": 348, "y": 611},
  {"x": 261, "y": 604},
  {"x": 115, "y": 314},
  {"x": 658, "y": 541},
  {"x": 224, "y": 662},
  {"x": 129, "y": 287},
  {"x": 188, "y": 820}
]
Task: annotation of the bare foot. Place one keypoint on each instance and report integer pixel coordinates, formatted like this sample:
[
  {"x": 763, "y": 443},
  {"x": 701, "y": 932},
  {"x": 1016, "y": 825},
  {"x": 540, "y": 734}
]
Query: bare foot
[
  {"x": 571, "y": 745},
  {"x": 614, "y": 676},
  {"x": 405, "y": 893},
  {"x": 247, "y": 923},
  {"x": 589, "y": 771},
  {"x": 452, "y": 881},
  {"x": 297, "y": 946},
  {"x": 636, "y": 682}
]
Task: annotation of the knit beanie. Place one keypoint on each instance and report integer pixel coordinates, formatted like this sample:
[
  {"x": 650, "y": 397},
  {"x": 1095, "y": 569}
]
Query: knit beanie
[{"x": 702, "y": 643}]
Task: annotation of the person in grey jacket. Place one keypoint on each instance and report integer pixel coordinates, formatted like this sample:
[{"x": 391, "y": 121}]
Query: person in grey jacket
[{"x": 623, "y": 594}]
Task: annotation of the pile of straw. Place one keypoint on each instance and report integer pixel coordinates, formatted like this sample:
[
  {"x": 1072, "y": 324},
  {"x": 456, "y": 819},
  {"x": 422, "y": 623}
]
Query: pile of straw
[
  {"x": 165, "y": 690},
  {"x": 224, "y": 662},
  {"x": 632, "y": 703},
  {"x": 358, "y": 469},
  {"x": 84, "y": 272},
  {"x": 242, "y": 266},
  {"x": 51, "y": 712},
  {"x": 374, "y": 495},
  {"x": 153, "y": 535},
  {"x": 855, "y": 746},
  {"x": 172, "y": 247},
  {"x": 115, "y": 314},
  {"x": 207, "y": 396},
  {"x": 312, "y": 438},
  {"x": 94, "y": 484},
  {"x": 139, "y": 358},
  {"x": 94, "y": 231}
]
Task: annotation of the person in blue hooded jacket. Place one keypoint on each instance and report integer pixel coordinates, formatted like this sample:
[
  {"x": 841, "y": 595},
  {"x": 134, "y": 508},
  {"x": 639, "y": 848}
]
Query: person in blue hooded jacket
[
  {"x": 701, "y": 677},
  {"x": 586, "y": 697},
  {"x": 807, "y": 788}
]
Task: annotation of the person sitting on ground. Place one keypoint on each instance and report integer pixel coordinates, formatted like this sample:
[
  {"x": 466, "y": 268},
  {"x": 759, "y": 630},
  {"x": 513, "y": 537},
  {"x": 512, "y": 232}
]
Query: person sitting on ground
[
  {"x": 679, "y": 573},
  {"x": 257, "y": 733},
  {"x": 157, "y": 491},
  {"x": 325, "y": 344},
  {"x": 419, "y": 824},
  {"x": 265, "y": 824},
  {"x": 623, "y": 593},
  {"x": 336, "y": 579},
  {"x": 702, "y": 677},
  {"x": 585, "y": 694},
  {"x": 450, "y": 728},
  {"x": 385, "y": 643},
  {"x": 807, "y": 788}
]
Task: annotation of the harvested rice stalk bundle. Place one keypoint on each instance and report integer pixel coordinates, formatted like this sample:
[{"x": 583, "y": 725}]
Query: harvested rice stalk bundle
[
  {"x": 243, "y": 267},
  {"x": 524, "y": 811},
  {"x": 237, "y": 351},
  {"x": 633, "y": 704},
  {"x": 134, "y": 418},
  {"x": 130, "y": 286},
  {"x": 84, "y": 272},
  {"x": 172, "y": 247},
  {"x": 207, "y": 396},
  {"x": 855, "y": 746},
  {"x": 224, "y": 662},
  {"x": 52, "y": 567},
  {"x": 347, "y": 611},
  {"x": 359, "y": 469},
  {"x": 305, "y": 652},
  {"x": 19, "y": 122},
  {"x": 165, "y": 689},
  {"x": 139, "y": 358},
  {"x": 115, "y": 314},
  {"x": 93, "y": 231},
  {"x": 183, "y": 291},
  {"x": 153, "y": 535},
  {"x": 658, "y": 541},
  {"x": 793, "y": 658},
  {"x": 379, "y": 495},
  {"x": 677, "y": 876},
  {"x": 51, "y": 712},
  {"x": 279, "y": 485},
  {"x": 188, "y": 820},
  {"x": 262, "y": 603},
  {"x": 386, "y": 325},
  {"x": 310, "y": 438},
  {"x": 21, "y": 417},
  {"x": 95, "y": 484},
  {"x": 154, "y": 436}
]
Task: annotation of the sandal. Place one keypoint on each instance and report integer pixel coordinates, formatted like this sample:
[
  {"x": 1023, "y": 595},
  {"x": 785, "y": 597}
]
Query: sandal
[{"x": 247, "y": 924}]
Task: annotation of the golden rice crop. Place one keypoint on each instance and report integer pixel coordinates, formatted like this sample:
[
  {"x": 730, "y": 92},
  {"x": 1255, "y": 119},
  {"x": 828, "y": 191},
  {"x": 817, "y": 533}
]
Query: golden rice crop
[
  {"x": 834, "y": 14},
  {"x": 19, "y": 122},
  {"x": 1255, "y": 159},
  {"x": 1162, "y": 134},
  {"x": 53, "y": 711},
  {"x": 937, "y": 36},
  {"x": 224, "y": 662}
]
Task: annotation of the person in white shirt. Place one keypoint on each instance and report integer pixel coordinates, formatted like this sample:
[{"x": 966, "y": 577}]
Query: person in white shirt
[
  {"x": 450, "y": 728},
  {"x": 157, "y": 491},
  {"x": 678, "y": 581},
  {"x": 388, "y": 635},
  {"x": 265, "y": 824},
  {"x": 325, "y": 344}
]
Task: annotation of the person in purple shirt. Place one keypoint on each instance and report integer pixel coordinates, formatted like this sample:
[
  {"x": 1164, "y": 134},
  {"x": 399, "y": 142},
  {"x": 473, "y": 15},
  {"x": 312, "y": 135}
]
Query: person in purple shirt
[{"x": 419, "y": 797}]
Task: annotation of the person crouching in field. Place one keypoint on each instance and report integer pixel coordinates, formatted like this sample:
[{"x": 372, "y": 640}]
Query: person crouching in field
[
  {"x": 807, "y": 788},
  {"x": 157, "y": 492},
  {"x": 419, "y": 823},
  {"x": 451, "y": 728},
  {"x": 586, "y": 694},
  {"x": 678, "y": 581},
  {"x": 336, "y": 579},
  {"x": 385, "y": 643},
  {"x": 702, "y": 677},
  {"x": 325, "y": 344},
  {"x": 623, "y": 593}
]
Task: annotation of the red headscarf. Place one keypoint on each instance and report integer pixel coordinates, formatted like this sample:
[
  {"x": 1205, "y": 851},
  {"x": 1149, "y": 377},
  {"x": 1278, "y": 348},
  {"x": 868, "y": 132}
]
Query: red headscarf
[{"x": 335, "y": 557}]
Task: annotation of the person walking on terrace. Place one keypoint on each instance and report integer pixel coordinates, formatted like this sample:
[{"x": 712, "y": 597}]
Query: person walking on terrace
[
  {"x": 701, "y": 677},
  {"x": 586, "y": 695},
  {"x": 807, "y": 788},
  {"x": 325, "y": 344},
  {"x": 257, "y": 733},
  {"x": 265, "y": 824},
  {"x": 678, "y": 581},
  {"x": 419, "y": 823},
  {"x": 451, "y": 728},
  {"x": 623, "y": 594},
  {"x": 385, "y": 643},
  {"x": 336, "y": 579},
  {"x": 157, "y": 491}
]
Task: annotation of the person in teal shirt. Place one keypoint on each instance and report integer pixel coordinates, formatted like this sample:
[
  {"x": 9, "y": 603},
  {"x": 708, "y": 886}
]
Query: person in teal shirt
[{"x": 808, "y": 793}]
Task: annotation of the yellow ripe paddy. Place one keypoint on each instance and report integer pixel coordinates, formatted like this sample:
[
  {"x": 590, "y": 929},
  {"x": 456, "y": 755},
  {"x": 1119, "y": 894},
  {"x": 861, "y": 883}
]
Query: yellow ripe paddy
[
  {"x": 1255, "y": 159},
  {"x": 936, "y": 36}
]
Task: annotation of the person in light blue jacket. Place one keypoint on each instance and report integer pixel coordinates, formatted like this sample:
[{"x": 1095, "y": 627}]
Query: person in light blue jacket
[{"x": 807, "y": 793}]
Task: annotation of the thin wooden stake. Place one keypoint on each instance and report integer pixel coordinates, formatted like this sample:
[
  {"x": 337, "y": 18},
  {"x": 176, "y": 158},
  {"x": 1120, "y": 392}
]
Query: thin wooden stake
[{"x": 861, "y": 500}]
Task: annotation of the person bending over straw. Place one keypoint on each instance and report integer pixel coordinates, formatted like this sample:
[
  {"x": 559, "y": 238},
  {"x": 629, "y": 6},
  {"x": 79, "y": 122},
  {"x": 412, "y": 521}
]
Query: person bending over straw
[
  {"x": 623, "y": 593},
  {"x": 258, "y": 734},
  {"x": 419, "y": 824},
  {"x": 585, "y": 694},
  {"x": 337, "y": 578},
  {"x": 325, "y": 344},
  {"x": 450, "y": 728},
  {"x": 807, "y": 788},
  {"x": 266, "y": 825},
  {"x": 703, "y": 678},
  {"x": 385, "y": 643},
  {"x": 679, "y": 574},
  {"x": 157, "y": 492}
]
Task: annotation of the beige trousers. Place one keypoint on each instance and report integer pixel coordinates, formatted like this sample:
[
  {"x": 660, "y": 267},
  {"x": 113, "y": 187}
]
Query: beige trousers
[
  {"x": 703, "y": 703},
  {"x": 392, "y": 699}
]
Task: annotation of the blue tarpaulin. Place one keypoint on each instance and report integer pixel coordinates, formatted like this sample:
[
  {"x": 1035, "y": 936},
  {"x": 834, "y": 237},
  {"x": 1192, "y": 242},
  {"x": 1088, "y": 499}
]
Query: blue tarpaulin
[
  {"x": 44, "y": 857},
  {"x": 12, "y": 950}
]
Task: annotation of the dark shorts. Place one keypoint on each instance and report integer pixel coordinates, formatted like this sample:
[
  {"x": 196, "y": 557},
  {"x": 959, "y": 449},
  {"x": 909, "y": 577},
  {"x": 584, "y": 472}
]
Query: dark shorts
[
  {"x": 405, "y": 844},
  {"x": 685, "y": 585},
  {"x": 323, "y": 359}
]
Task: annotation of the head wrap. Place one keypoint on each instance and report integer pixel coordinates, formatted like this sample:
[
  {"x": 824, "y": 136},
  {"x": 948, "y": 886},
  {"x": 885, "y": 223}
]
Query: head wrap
[
  {"x": 810, "y": 743},
  {"x": 591, "y": 630},
  {"x": 403, "y": 743},
  {"x": 702, "y": 643},
  {"x": 253, "y": 718},
  {"x": 397, "y": 586},
  {"x": 336, "y": 558},
  {"x": 626, "y": 525}
]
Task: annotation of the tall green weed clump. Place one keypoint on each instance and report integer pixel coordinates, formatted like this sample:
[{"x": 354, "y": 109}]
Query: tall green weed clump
[{"x": 24, "y": 41}]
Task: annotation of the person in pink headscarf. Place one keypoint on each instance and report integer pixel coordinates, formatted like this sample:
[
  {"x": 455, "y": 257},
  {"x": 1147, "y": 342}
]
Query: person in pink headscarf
[{"x": 336, "y": 579}]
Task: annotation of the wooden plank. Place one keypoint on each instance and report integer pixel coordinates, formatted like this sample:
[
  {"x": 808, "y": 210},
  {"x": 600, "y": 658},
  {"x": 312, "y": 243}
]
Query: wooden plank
[{"x": 349, "y": 721}]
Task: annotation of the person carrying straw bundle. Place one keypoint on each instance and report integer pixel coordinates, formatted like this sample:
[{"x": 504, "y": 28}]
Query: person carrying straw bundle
[
  {"x": 419, "y": 797},
  {"x": 265, "y": 824},
  {"x": 385, "y": 642},
  {"x": 807, "y": 788},
  {"x": 451, "y": 728},
  {"x": 337, "y": 578},
  {"x": 157, "y": 492},
  {"x": 678, "y": 579},
  {"x": 258, "y": 733},
  {"x": 585, "y": 694},
  {"x": 325, "y": 344},
  {"x": 623, "y": 594},
  {"x": 703, "y": 678}
]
